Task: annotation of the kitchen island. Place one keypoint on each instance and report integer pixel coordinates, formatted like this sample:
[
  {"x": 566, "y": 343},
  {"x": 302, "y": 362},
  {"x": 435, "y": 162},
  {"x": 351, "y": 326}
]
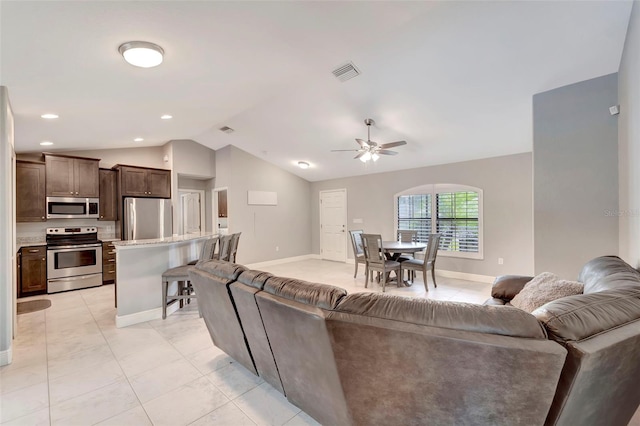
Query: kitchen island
[{"x": 140, "y": 265}]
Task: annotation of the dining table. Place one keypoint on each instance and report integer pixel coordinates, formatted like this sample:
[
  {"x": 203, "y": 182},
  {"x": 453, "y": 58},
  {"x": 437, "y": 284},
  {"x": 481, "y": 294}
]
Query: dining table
[{"x": 394, "y": 249}]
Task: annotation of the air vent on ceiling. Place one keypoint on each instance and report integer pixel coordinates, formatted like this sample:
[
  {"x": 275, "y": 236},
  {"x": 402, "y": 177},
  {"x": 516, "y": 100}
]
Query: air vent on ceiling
[
  {"x": 226, "y": 129},
  {"x": 346, "y": 71}
]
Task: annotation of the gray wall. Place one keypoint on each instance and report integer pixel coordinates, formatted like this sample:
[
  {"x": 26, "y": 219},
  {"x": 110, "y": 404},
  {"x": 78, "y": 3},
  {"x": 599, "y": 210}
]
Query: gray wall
[
  {"x": 508, "y": 221},
  {"x": 629, "y": 142},
  {"x": 575, "y": 169},
  {"x": 150, "y": 156},
  {"x": 264, "y": 227}
]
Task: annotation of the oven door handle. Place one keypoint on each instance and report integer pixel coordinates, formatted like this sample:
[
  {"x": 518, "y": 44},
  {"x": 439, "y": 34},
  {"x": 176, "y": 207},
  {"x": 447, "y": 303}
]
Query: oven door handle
[
  {"x": 73, "y": 247},
  {"x": 74, "y": 278}
]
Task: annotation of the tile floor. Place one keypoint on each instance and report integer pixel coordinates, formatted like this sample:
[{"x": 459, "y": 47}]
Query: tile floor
[{"x": 72, "y": 366}]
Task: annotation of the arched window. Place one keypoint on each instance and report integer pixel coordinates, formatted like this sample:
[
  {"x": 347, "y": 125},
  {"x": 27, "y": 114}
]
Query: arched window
[{"x": 453, "y": 211}]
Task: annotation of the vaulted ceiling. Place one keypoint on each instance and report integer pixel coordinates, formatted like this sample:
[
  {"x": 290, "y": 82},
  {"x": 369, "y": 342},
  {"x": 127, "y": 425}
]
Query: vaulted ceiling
[{"x": 453, "y": 79}]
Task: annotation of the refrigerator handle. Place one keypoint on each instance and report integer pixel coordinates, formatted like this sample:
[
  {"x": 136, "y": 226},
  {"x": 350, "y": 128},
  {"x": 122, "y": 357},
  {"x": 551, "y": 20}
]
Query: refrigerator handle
[{"x": 132, "y": 220}]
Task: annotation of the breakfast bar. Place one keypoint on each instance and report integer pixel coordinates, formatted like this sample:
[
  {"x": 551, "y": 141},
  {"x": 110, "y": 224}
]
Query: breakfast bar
[{"x": 140, "y": 267}]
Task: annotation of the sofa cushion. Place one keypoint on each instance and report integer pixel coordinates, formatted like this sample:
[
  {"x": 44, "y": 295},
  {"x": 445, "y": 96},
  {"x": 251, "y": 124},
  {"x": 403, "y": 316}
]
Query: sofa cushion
[
  {"x": 578, "y": 317},
  {"x": 544, "y": 288},
  {"x": 506, "y": 287},
  {"x": 255, "y": 279},
  {"x": 321, "y": 295},
  {"x": 606, "y": 273},
  {"x": 506, "y": 321},
  {"x": 221, "y": 269}
]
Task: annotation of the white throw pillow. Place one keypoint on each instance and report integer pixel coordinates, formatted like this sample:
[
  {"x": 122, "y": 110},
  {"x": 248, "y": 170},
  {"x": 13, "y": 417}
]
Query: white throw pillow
[{"x": 544, "y": 288}]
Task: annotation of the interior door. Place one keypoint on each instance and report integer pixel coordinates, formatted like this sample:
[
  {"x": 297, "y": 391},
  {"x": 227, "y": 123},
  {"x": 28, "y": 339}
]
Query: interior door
[
  {"x": 333, "y": 225},
  {"x": 191, "y": 212}
]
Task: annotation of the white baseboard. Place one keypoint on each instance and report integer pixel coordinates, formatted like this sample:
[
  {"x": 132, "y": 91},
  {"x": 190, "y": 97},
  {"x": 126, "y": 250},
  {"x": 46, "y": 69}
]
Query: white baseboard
[
  {"x": 281, "y": 261},
  {"x": 144, "y": 316},
  {"x": 6, "y": 356},
  {"x": 465, "y": 276}
]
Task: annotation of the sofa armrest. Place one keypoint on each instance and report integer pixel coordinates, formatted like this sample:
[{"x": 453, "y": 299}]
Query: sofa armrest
[{"x": 506, "y": 287}]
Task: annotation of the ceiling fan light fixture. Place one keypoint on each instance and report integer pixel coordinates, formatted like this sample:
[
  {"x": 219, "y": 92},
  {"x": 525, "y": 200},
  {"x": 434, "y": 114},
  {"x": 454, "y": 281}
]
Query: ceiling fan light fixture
[
  {"x": 142, "y": 54},
  {"x": 303, "y": 164},
  {"x": 375, "y": 156},
  {"x": 366, "y": 157}
]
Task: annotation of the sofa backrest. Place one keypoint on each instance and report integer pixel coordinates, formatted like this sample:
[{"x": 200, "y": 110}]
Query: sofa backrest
[
  {"x": 243, "y": 292},
  {"x": 211, "y": 280},
  {"x": 606, "y": 273},
  {"x": 293, "y": 313},
  {"x": 601, "y": 331},
  {"x": 418, "y": 361}
]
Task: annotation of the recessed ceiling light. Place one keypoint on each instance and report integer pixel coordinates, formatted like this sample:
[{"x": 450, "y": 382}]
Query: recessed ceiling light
[
  {"x": 167, "y": 117},
  {"x": 141, "y": 53},
  {"x": 46, "y": 143},
  {"x": 49, "y": 116},
  {"x": 303, "y": 164},
  {"x": 138, "y": 140}
]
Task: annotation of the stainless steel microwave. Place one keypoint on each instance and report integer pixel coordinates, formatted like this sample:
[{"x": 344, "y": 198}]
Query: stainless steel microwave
[{"x": 72, "y": 208}]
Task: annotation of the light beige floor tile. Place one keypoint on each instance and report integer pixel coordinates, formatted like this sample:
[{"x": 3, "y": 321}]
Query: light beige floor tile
[
  {"x": 24, "y": 401},
  {"x": 134, "y": 417},
  {"x": 38, "y": 418},
  {"x": 193, "y": 341},
  {"x": 60, "y": 347},
  {"x": 17, "y": 378},
  {"x": 185, "y": 404},
  {"x": 160, "y": 380},
  {"x": 68, "y": 363},
  {"x": 266, "y": 406},
  {"x": 83, "y": 381},
  {"x": 209, "y": 360},
  {"x": 28, "y": 355},
  {"x": 148, "y": 358},
  {"x": 95, "y": 406},
  {"x": 227, "y": 415},
  {"x": 129, "y": 340},
  {"x": 302, "y": 419},
  {"x": 234, "y": 380}
]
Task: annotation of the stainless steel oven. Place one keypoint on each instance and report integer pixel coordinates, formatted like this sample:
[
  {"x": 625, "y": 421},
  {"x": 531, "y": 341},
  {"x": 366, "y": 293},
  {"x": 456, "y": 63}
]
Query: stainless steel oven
[{"x": 74, "y": 259}]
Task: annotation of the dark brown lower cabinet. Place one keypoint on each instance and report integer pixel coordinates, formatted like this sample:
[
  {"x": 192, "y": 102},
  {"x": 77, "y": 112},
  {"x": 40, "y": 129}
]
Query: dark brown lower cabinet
[
  {"x": 109, "y": 266},
  {"x": 32, "y": 271}
]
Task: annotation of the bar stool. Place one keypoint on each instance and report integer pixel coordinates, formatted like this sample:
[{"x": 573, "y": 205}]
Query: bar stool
[{"x": 181, "y": 275}]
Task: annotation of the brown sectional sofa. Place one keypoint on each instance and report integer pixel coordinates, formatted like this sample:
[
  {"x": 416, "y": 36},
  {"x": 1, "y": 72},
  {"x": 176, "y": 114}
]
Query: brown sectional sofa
[{"x": 370, "y": 358}]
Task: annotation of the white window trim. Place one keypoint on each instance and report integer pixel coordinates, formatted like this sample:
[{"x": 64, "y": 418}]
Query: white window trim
[{"x": 433, "y": 189}]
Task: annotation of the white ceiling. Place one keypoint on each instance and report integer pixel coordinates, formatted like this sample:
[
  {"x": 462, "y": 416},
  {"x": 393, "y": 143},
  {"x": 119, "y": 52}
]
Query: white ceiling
[{"x": 453, "y": 79}]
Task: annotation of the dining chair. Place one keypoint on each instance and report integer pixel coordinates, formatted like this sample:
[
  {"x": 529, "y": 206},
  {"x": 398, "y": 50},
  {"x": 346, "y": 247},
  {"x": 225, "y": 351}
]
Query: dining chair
[
  {"x": 429, "y": 261},
  {"x": 376, "y": 260},
  {"x": 358, "y": 250},
  {"x": 225, "y": 248},
  {"x": 233, "y": 246},
  {"x": 407, "y": 236},
  {"x": 180, "y": 274}
]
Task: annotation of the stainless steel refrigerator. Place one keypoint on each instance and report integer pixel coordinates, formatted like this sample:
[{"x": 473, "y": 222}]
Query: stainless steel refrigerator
[{"x": 146, "y": 218}]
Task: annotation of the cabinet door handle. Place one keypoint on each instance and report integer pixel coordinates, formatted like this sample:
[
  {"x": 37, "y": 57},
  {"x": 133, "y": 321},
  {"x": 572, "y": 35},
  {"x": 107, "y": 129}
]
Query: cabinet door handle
[
  {"x": 43, "y": 259},
  {"x": 111, "y": 260},
  {"x": 76, "y": 192},
  {"x": 34, "y": 251},
  {"x": 71, "y": 193},
  {"x": 112, "y": 252}
]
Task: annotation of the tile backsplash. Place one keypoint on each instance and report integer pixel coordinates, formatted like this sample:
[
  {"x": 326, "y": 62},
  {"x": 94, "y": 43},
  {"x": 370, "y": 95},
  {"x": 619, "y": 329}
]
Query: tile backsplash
[{"x": 34, "y": 232}]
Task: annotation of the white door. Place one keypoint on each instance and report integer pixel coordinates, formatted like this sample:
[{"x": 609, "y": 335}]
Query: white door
[
  {"x": 191, "y": 212},
  {"x": 333, "y": 225}
]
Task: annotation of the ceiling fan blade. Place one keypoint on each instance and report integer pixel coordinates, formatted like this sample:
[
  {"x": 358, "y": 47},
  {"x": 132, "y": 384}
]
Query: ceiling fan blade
[
  {"x": 386, "y": 152},
  {"x": 341, "y": 150},
  {"x": 362, "y": 143},
  {"x": 392, "y": 144},
  {"x": 359, "y": 155}
]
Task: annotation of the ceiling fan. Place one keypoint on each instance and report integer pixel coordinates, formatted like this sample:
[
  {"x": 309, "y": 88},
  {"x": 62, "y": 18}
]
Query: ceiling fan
[{"x": 370, "y": 150}]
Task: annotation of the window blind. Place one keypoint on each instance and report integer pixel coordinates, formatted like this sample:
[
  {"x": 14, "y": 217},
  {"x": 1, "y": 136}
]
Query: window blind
[
  {"x": 457, "y": 215},
  {"x": 414, "y": 213}
]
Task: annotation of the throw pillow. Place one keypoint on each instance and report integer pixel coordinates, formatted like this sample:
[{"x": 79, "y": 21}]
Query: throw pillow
[{"x": 544, "y": 288}]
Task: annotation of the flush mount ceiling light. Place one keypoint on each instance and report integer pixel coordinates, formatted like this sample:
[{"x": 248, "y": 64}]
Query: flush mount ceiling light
[
  {"x": 166, "y": 117},
  {"x": 49, "y": 116},
  {"x": 141, "y": 53},
  {"x": 138, "y": 140},
  {"x": 46, "y": 143},
  {"x": 303, "y": 164}
]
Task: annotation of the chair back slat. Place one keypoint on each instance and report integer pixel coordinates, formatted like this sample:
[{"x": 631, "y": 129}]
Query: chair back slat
[
  {"x": 225, "y": 243},
  {"x": 407, "y": 236},
  {"x": 373, "y": 252},
  {"x": 233, "y": 246},
  {"x": 208, "y": 249},
  {"x": 356, "y": 242},
  {"x": 432, "y": 248}
]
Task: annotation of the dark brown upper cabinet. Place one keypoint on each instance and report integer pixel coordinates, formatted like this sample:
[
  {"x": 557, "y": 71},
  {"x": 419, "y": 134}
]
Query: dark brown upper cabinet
[
  {"x": 30, "y": 192},
  {"x": 108, "y": 195},
  {"x": 144, "y": 182},
  {"x": 72, "y": 176}
]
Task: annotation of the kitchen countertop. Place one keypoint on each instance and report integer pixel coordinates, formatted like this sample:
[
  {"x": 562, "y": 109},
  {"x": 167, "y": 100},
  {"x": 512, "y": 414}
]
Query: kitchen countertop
[
  {"x": 29, "y": 242},
  {"x": 127, "y": 244}
]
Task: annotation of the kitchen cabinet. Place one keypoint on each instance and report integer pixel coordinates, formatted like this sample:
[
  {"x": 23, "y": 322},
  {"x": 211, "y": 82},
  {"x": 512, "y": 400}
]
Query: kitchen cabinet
[
  {"x": 30, "y": 191},
  {"x": 108, "y": 195},
  {"x": 144, "y": 182},
  {"x": 32, "y": 271},
  {"x": 222, "y": 203},
  {"x": 109, "y": 267},
  {"x": 72, "y": 176}
]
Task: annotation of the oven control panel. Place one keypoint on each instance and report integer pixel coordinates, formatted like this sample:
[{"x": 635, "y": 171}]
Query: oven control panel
[{"x": 72, "y": 231}]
